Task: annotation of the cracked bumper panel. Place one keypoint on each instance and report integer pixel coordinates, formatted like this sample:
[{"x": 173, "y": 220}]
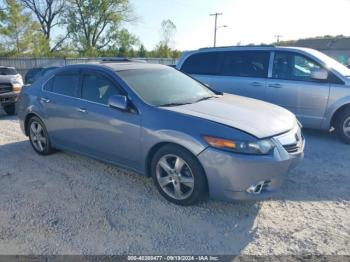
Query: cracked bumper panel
[{"x": 230, "y": 175}]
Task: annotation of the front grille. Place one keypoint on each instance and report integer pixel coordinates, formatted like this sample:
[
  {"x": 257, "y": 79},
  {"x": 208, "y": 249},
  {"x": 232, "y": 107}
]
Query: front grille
[
  {"x": 293, "y": 148},
  {"x": 293, "y": 141},
  {"x": 5, "y": 88}
]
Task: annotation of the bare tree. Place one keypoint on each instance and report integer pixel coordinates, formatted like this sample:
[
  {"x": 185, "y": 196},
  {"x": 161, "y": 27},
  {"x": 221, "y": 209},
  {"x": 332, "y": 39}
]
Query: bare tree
[
  {"x": 47, "y": 12},
  {"x": 168, "y": 31}
]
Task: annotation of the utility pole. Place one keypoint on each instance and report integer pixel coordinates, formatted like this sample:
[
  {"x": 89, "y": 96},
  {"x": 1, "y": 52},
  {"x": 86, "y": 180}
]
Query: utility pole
[
  {"x": 278, "y": 38},
  {"x": 216, "y": 25}
]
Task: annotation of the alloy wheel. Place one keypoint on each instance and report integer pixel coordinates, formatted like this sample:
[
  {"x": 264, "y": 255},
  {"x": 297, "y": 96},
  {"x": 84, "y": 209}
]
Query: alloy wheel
[
  {"x": 37, "y": 136},
  {"x": 346, "y": 127},
  {"x": 175, "y": 177}
]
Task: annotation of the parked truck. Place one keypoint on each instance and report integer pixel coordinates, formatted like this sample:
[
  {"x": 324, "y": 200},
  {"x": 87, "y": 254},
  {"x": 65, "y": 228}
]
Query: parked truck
[{"x": 10, "y": 85}]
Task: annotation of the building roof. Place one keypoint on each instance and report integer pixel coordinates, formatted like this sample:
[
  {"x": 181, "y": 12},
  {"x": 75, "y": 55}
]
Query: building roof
[{"x": 325, "y": 43}]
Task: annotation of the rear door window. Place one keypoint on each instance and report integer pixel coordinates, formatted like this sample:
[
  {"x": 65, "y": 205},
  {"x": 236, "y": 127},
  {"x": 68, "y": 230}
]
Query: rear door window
[
  {"x": 66, "y": 84},
  {"x": 205, "y": 63},
  {"x": 245, "y": 63}
]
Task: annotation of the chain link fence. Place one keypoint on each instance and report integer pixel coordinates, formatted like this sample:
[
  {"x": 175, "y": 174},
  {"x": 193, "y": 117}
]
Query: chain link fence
[{"x": 22, "y": 65}]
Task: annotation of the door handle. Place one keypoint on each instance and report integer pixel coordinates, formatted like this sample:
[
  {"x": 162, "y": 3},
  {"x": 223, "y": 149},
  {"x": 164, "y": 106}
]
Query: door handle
[
  {"x": 44, "y": 100},
  {"x": 257, "y": 84},
  {"x": 275, "y": 85},
  {"x": 82, "y": 110}
]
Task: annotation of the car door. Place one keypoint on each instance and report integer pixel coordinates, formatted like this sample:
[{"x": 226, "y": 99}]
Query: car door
[
  {"x": 291, "y": 86},
  {"x": 59, "y": 101},
  {"x": 244, "y": 73},
  {"x": 236, "y": 72},
  {"x": 105, "y": 132}
]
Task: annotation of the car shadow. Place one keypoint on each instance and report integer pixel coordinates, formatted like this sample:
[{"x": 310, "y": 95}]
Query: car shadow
[{"x": 115, "y": 204}]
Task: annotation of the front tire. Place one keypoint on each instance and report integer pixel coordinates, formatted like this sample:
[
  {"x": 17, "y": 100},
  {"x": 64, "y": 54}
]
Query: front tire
[
  {"x": 178, "y": 176},
  {"x": 342, "y": 125},
  {"x": 39, "y": 137},
  {"x": 10, "y": 109}
]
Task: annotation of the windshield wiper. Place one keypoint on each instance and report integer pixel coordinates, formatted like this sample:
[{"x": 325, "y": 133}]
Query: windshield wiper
[
  {"x": 186, "y": 103},
  {"x": 204, "y": 98},
  {"x": 174, "y": 104},
  {"x": 207, "y": 98}
]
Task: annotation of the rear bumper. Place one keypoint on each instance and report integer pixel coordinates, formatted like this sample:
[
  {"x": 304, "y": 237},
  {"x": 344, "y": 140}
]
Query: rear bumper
[
  {"x": 230, "y": 175},
  {"x": 8, "y": 98}
]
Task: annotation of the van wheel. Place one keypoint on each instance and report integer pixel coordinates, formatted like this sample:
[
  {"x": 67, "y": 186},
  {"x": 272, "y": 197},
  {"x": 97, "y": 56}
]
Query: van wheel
[
  {"x": 10, "y": 109},
  {"x": 38, "y": 136},
  {"x": 178, "y": 176},
  {"x": 342, "y": 125}
]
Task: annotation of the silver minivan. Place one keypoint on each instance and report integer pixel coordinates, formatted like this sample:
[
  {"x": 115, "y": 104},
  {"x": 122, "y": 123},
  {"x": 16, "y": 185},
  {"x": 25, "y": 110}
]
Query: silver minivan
[{"x": 307, "y": 82}]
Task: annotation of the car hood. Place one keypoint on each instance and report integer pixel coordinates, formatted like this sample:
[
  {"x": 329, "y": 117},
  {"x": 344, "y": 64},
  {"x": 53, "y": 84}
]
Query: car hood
[{"x": 255, "y": 117}]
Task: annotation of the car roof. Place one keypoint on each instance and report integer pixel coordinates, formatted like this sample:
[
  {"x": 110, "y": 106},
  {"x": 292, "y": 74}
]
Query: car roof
[
  {"x": 249, "y": 47},
  {"x": 116, "y": 66},
  {"x": 131, "y": 66}
]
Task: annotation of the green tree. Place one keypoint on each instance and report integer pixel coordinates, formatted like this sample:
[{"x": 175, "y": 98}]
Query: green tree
[
  {"x": 125, "y": 41},
  {"x": 19, "y": 33},
  {"x": 162, "y": 50},
  {"x": 142, "y": 51},
  {"x": 94, "y": 24}
]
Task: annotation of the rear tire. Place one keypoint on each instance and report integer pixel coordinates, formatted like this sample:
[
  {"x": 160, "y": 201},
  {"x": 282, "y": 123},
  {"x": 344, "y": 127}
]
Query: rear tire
[
  {"x": 10, "y": 109},
  {"x": 342, "y": 125},
  {"x": 178, "y": 175},
  {"x": 39, "y": 137}
]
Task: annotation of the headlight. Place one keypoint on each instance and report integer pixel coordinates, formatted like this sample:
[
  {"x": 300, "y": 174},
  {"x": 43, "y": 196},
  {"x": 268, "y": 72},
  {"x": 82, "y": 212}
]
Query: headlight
[
  {"x": 262, "y": 147},
  {"x": 17, "y": 83}
]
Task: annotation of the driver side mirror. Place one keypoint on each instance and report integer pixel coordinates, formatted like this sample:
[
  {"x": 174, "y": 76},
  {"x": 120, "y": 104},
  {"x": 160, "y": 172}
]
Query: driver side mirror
[
  {"x": 119, "y": 102},
  {"x": 319, "y": 74}
]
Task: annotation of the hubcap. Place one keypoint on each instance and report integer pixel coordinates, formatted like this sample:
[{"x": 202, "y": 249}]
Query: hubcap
[
  {"x": 37, "y": 136},
  {"x": 346, "y": 127},
  {"x": 175, "y": 177}
]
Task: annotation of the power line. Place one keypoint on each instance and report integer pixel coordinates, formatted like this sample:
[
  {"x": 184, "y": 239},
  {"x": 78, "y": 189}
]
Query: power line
[{"x": 278, "y": 37}]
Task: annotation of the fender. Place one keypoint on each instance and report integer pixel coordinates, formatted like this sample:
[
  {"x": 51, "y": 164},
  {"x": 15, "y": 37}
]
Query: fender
[
  {"x": 168, "y": 136},
  {"x": 332, "y": 108}
]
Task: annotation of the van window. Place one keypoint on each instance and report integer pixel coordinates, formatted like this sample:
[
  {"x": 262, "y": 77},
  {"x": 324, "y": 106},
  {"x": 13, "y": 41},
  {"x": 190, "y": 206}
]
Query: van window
[
  {"x": 205, "y": 63},
  {"x": 66, "y": 84},
  {"x": 292, "y": 66},
  {"x": 245, "y": 63}
]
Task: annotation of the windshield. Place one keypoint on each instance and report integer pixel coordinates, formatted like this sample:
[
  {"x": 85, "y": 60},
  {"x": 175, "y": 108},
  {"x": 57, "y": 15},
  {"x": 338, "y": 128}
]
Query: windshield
[
  {"x": 7, "y": 71},
  {"x": 165, "y": 86},
  {"x": 332, "y": 63}
]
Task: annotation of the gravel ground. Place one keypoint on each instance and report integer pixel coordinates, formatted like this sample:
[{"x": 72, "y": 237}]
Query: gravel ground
[{"x": 68, "y": 204}]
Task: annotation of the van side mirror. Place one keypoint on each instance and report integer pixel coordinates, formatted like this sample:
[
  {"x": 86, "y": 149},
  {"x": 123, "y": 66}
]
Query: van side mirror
[
  {"x": 319, "y": 74},
  {"x": 119, "y": 102}
]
